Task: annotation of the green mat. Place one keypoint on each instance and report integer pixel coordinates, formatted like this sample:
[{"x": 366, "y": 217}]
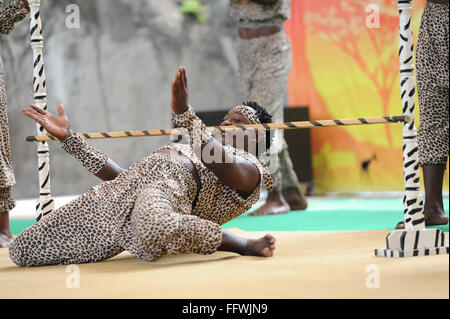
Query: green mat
[
  {"x": 321, "y": 215},
  {"x": 332, "y": 215}
]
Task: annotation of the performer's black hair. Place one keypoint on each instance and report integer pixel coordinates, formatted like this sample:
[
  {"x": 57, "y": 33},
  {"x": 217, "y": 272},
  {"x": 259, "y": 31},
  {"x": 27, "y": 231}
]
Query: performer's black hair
[
  {"x": 264, "y": 117},
  {"x": 261, "y": 112}
]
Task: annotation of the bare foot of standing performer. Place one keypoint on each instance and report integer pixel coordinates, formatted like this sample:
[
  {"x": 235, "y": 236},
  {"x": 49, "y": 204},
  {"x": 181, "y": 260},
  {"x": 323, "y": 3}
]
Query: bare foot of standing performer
[
  {"x": 282, "y": 202},
  {"x": 6, "y": 238},
  {"x": 433, "y": 211}
]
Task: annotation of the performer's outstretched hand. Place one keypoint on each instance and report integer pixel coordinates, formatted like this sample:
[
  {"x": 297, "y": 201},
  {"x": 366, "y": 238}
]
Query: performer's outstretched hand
[
  {"x": 180, "y": 92},
  {"x": 56, "y": 125}
]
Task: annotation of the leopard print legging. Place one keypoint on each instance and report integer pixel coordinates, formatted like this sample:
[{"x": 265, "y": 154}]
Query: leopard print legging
[
  {"x": 11, "y": 14},
  {"x": 432, "y": 83},
  {"x": 264, "y": 67},
  {"x": 6, "y": 172}
]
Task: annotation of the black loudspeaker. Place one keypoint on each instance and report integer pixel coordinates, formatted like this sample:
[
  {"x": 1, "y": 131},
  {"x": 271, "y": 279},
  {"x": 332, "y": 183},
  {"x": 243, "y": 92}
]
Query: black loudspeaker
[
  {"x": 299, "y": 140},
  {"x": 299, "y": 143}
]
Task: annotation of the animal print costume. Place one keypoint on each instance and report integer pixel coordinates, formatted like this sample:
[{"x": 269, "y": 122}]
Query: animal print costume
[
  {"x": 264, "y": 67},
  {"x": 14, "y": 12},
  {"x": 149, "y": 210},
  {"x": 432, "y": 84}
]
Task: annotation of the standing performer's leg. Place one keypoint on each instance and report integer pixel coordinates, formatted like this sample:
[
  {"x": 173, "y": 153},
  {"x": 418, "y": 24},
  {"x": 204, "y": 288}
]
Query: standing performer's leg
[
  {"x": 7, "y": 203},
  {"x": 433, "y": 89},
  {"x": 265, "y": 64},
  {"x": 7, "y": 179}
]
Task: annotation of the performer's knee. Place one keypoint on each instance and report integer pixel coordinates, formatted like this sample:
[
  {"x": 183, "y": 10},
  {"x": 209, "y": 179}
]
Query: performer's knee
[{"x": 20, "y": 253}]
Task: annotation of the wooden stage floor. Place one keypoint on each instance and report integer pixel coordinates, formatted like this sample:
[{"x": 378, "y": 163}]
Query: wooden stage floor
[{"x": 317, "y": 264}]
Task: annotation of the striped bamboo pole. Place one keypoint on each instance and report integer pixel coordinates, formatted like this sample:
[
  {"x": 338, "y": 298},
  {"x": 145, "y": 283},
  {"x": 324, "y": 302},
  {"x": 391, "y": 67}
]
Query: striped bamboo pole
[
  {"x": 45, "y": 202},
  {"x": 413, "y": 205},
  {"x": 271, "y": 126}
]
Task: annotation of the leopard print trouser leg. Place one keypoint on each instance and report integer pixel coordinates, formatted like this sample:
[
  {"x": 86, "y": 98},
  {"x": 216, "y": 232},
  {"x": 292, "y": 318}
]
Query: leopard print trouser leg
[
  {"x": 7, "y": 202},
  {"x": 264, "y": 67},
  {"x": 76, "y": 234},
  {"x": 432, "y": 83},
  {"x": 6, "y": 173},
  {"x": 145, "y": 210},
  {"x": 160, "y": 229},
  {"x": 79, "y": 232}
]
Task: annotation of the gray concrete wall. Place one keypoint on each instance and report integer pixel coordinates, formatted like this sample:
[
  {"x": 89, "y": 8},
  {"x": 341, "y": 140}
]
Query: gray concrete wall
[{"x": 114, "y": 73}]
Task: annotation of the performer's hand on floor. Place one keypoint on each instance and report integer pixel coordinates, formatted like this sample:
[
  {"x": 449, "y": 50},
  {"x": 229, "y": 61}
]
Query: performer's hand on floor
[
  {"x": 180, "y": 92},
  {"x": 56, "y": 125}
]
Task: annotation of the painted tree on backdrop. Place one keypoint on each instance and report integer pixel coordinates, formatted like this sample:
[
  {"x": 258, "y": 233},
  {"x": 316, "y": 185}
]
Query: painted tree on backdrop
[
  {"x": 367, "y": 32},
  {"x": 354, "y": 21}
]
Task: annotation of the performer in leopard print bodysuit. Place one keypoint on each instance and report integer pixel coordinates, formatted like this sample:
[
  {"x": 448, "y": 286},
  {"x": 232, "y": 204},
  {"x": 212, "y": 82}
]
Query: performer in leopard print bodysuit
[
  {"x": 171, "y": 202},
  {"x": 14, "y": 12}
]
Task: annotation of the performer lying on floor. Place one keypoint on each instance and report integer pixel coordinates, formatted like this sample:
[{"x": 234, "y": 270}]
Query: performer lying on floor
[{"x": 171, "y": 202}]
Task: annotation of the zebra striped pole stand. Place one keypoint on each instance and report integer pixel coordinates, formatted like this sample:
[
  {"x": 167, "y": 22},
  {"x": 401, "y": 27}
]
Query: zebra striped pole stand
[
  {"x": 415, "y": 240},
  {"x": 45, "y": 203}
]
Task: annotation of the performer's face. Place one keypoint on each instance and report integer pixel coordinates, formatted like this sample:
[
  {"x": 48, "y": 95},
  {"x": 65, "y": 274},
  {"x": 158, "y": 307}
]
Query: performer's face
[
  {"x": 234, "y": 118},
  {"x": 238, "y": 138}
]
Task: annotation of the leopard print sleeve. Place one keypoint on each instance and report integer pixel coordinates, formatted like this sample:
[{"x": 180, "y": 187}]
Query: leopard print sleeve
[
  {"x": 16, "y": 11},
  {"x": 91, "y": 158},
  {"x": 266, "y": 179},
  {"x": 195, "y": 131}
]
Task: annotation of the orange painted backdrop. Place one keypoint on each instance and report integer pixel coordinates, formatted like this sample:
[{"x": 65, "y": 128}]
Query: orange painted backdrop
[{"x": 343, "y": 69}]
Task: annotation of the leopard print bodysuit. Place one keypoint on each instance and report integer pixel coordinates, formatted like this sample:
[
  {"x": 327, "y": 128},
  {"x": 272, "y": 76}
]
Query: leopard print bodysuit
[
  {"x": 432, "y": 61},
  {"x": 147, "y": 210},
  {"x": 11, "y": 14}
]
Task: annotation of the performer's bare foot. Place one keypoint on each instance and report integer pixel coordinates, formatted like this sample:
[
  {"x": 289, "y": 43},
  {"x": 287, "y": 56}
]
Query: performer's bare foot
[
  {"x": 433, "y": 210},
  {"x": 432, "y": 218},
  {"x": 274, "y": 205},
  {"x": 262, "y": 247},
  {"x": 6, "y": 238},
  {"x": 295, "y": 198}
]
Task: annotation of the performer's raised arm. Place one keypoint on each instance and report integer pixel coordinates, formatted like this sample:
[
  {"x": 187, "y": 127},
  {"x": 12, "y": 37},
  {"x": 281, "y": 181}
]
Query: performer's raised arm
[
  {"x": 91, "y": 158},
  {"x": 237, "y": 173}
]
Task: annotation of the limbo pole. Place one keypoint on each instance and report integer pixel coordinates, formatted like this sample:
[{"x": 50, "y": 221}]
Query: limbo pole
[
  {"x": 45, "y": 202},
  {"x": 415, "y": 240},
  {"x": 270, "y": 126}
]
